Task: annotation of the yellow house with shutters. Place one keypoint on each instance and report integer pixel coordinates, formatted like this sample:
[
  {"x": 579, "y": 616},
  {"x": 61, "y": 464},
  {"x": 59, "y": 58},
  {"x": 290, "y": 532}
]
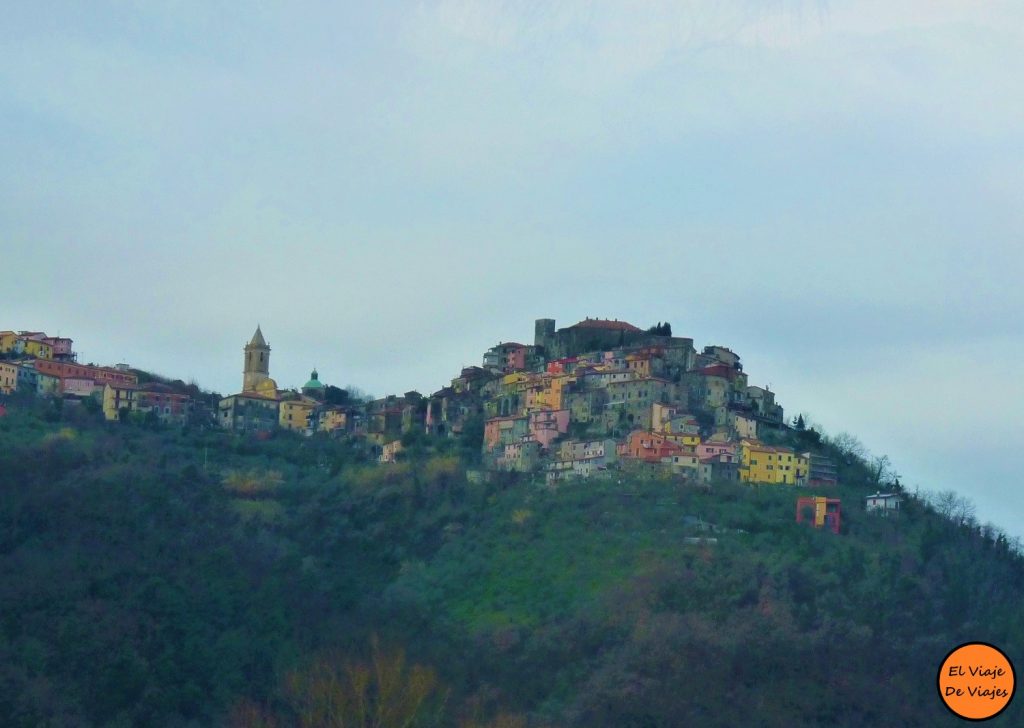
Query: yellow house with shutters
[
  {"x": 7, "y": 339},
  {"x": 760, "y": 463}
]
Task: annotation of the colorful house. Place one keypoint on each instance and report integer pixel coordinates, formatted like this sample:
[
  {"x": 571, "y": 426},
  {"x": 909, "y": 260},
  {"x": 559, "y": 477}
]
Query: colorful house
[
  {"x": 331, "y": 419},
  {"x": 7, "y": 339},
  {"x": 8, "y": 377},
  {"x": 294, "y": 414},
  {"x": 36, "y": 348},
  {"x": 28, "y": 377},
  {"x": 819, "y": 511},
  {"x": 61, "y": 347},
  {"x": 715, "y": 447},
  {"x": 545, "y": 426},
  {"x": 78, "y": 386},
  {"x": 650, "y": 447},
  {"x": 760, "y": 463},
  {"x": 687, "y": 439},
  {"x": 118, "y": 399},
  {"x": 503, "y": 430},
  {"x": 162, "y": 401},
  {"x": 47, "y": 384},
  {"x": 100, "y": 375}
]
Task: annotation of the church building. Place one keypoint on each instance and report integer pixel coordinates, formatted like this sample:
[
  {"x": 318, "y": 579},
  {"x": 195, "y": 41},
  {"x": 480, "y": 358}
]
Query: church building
[{"x": 256, "y": 408}]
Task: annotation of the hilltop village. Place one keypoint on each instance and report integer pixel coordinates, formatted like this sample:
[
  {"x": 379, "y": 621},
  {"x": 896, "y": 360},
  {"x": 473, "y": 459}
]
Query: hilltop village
[{"x": 600, "y": 395}]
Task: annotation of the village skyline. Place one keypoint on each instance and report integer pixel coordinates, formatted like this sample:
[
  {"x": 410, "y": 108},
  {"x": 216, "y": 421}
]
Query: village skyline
[{"x": 388, "y": 191}]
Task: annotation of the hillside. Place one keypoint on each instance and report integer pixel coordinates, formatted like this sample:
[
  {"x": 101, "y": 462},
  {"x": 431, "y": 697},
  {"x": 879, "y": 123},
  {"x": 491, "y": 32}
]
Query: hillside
[{"x": 177, "y": 577}]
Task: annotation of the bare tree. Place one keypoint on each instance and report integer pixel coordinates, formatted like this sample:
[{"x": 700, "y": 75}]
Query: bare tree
[
  {"x": 881, "y": 470},
  {"x": 953, "y": 507},
  {"x": 849, "y": 446}
]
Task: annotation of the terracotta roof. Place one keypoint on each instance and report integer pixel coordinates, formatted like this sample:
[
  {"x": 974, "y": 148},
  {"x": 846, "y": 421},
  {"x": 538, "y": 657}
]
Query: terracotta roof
[{"x": 605, "y": 324}]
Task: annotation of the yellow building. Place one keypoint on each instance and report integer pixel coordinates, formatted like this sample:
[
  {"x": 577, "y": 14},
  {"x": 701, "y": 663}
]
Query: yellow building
[
  {"x": 294, "y": 413},
  {"x": 639, "y": 365},
  {"x": 7, "y": 339},
  {"x": 332, "y": 420},
  {"x": 389, "y": 453},
  {"x": 802, "y": 463},
  {"x": 661, "y": 416},
  {"x": 515, "y": 382},
  {"x": 38, "y": 349},
  {"x": 683, "y": 438},
  {"x": 118, "y": 398},
  {"x": 8, "y": 377},
  {"x": 760, "y": 463},
  {"x": 555, "y": 391}
]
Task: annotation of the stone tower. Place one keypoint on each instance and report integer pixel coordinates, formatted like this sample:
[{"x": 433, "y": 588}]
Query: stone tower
[
  {"x": 257, "y": 362},
  {"x": 544, "y": 332}
]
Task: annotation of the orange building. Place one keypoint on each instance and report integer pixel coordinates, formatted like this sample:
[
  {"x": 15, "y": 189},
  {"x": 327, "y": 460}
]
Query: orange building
[{"x": 101, "y": 375}]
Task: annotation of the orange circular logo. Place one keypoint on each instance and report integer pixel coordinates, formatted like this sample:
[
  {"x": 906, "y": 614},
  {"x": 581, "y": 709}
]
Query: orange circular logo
[{"x": 977, "y": 681}]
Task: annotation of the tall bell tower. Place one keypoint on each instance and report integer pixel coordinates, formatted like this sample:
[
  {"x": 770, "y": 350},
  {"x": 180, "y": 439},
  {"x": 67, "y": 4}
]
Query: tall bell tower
[{"x": 257, "y": 362}]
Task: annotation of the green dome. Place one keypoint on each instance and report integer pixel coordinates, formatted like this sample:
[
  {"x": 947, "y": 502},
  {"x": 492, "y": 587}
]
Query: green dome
[{"x": 314, "y": 382}]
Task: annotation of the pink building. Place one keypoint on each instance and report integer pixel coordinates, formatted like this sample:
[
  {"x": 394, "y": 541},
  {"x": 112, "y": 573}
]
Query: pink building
[
  {"x": 78, "y": 386},
  {"x": 710, "y": 449},
  {"x": 61, "y": 347},
  {"x": 546, "y": 425},
  {"x": 515, "y": 357}
]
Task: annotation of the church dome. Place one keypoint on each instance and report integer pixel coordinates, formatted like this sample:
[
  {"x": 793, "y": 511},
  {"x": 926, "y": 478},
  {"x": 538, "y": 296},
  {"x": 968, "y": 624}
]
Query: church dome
[
  {"x": 267, "y": 388},
  {"x": 314, "y": 382}
]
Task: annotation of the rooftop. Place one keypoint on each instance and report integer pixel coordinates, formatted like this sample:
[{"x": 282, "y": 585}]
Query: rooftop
[{"x": 605, "y": 324}]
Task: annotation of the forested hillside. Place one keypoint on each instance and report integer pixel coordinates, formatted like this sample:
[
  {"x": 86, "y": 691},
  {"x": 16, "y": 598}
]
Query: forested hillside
[{"x": 162, "y": 577}]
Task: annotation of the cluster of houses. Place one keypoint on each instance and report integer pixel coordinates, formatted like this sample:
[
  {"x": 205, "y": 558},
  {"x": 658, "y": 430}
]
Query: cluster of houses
[
  {"x": 596, "y": 396},
  {"x": 604, "y": 394},
  {"x": 601, "y": 394},
  {"x": 32, "y": 362}
]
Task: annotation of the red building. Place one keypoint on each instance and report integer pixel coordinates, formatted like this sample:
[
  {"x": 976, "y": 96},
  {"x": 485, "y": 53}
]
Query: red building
[
  {"x": 818, "y": 510},
  {"x": 101, "y": 375},
  {"x": 164, "y": 402}
]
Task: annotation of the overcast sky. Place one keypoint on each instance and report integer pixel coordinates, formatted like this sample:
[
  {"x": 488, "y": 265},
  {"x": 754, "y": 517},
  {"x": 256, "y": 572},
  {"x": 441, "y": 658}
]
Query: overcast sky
[{"x": 832, "y": 189}]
